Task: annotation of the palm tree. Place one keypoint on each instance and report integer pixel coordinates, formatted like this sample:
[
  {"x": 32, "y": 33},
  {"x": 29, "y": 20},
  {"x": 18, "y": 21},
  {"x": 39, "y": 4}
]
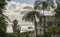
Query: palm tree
[
  {"x": 45, "y": 5},
  {"x": 31, "y": 17},
  {"x": 15, "y": 22},
  {"x": 18, "y": 30}
]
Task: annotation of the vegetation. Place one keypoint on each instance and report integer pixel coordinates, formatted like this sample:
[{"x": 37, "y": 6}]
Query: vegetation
[
  {"x": 16, "y": 28},
  {"x": 57, "y": 18},
  {"x": 15, "y": 23},
  {"x": 2, "y": 20},
  {"x": 57, "y": 11},
  {"x": 3, "y": 23},
  {"x": 44, "y": 7},
  {"x": 31, "y": 17},
  {"x": 24, "y": 34}
]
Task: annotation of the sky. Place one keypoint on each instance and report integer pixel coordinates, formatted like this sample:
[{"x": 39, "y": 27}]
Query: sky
[{"x": 25, "y": 1}]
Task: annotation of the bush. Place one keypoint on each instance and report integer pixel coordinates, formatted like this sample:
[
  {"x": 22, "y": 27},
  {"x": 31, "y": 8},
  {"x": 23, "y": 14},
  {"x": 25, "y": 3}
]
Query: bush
[
  {"x": 25, "y": 34},
  {"x": 11, "y": 35}
]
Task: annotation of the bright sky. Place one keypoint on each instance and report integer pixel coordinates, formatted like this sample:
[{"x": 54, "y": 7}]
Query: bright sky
[{"x": 25, "y": 1}]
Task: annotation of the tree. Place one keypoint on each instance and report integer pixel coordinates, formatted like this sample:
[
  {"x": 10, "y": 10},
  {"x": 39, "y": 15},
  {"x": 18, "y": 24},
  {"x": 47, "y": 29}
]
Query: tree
[
  {"x": 45, "y": 5},
  {"x": 15, "y": 22},
  {"x": 57, "y": 13},
  {"x": 18, "y": 30},
  {"x": 31, "y": 17},
  {"x": 49, "y": 3},
  {"x": 54, "y": 29},
  {"x": 2, "y": 19},
  {"x": 57, "y": 17}
]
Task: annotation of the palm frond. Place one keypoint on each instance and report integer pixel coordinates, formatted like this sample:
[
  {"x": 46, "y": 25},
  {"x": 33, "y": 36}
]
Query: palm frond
[
  {"x": 7, "y": 18},
  {"x": 30, "y": 16},
  {"x": 45, "y": 4}
]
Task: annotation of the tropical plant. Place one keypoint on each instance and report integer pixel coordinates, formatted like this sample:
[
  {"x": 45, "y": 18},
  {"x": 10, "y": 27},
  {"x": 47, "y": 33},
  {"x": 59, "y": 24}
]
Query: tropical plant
[
  {"x": 57, "y": 17},
  {"x": 43, "y": 5},
  {"x": 47, "y": 3},
  {"x": 57, "y": 13},
  {"x": 54, "y": 29},
  {"x": 31, "y": 17},
  {"x": 15, "y": 22},
  {"x": 18, "y": 30},
  {"x": 2, "y": 19}
]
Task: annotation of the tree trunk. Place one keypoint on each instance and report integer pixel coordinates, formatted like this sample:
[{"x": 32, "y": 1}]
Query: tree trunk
[
  {"x": 14, "y": 28},
  {"x": 36, "y": 27},
  {"x": 44, "y": 24},
  {"x": 18, "y": 33}
]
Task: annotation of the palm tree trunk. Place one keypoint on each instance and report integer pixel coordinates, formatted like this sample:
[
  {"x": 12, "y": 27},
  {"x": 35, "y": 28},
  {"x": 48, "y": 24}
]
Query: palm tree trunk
[
  {"x": 44, "y": 24},
  {"x": 14, "y": 28},
  {"x": 36, "y": 27}
]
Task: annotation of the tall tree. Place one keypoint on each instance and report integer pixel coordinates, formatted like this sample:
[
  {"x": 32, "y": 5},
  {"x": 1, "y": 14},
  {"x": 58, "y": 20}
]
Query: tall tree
[
  {"x": 16, "y": 28},
  {"x": 57, "y": 18},
  {"x": 45, "y": 5},
  {"x": 15, "y": 23},
  {"x": 31, "y": 17},
  {"x": 57, "y": 13},
  {"x": 2, "y": 19}
]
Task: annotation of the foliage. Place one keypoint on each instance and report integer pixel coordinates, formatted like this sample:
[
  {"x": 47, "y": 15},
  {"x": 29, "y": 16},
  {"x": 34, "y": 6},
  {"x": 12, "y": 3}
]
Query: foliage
[
  {"x": 45, "y": 4},
  {"x": 11, "y": 35},
  {"x": 2, "y": 3},
  {"x": 24, "y": 34},
  {"x": 2, "y": 20},
  {"x": 57, "y": 17},
  {"x": 54, "y": 30},
  {"x": 58, "y": 31},
  {"x": 30, "y": 16},
  {"x": 57, "y": 13},
  {"x": 15, "y": 22}
]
